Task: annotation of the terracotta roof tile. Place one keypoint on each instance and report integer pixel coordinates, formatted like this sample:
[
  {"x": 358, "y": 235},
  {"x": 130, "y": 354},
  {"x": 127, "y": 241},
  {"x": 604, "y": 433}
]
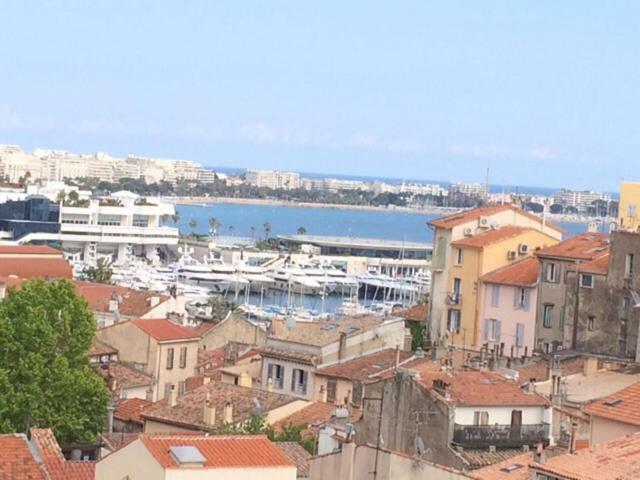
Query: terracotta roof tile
[
  {"x": 582, "y": 247},
  {"x": 599, "y": 265},
  {"x": 481, "y": 389},
  {"x": 297, "y": 455},
  {"x": 129, "y": 410},
  {"x": 54, "y": 462},
  {"x": 132, "y": 303},
  {"x": 362, "y": 368},
  {"x": 623, "y": 406},
  {"x": 125, "y": 375},
  {"x": 35, "y": 268},
  {"x": 289, "y": 355},
  {"x": 513, "y": 468},
  {"x": 189, "y": 410},
  {"x": 491, "y": 237},
  {"x": 29, "y": 250},
  {"x": 523, "y": 273},
  {"x": 101, "y": 348},
  {"x": 417, "y": 313},
  {"x": 615, "y": 460},
  {"x": 212, "y": 358},
  {"x": 450, "y": 221},
  {"x": 163, "y": 330},
  {"x": 219, "y": 451},
  {"x": 16, "y": 459},
  {"x": 115, "y": 441},
  {"x": 312, "y": 417}
]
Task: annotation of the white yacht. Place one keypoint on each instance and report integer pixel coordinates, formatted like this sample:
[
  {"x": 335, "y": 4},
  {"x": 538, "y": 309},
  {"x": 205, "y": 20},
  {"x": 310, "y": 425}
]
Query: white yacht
[{"x": 293, "y": 279}]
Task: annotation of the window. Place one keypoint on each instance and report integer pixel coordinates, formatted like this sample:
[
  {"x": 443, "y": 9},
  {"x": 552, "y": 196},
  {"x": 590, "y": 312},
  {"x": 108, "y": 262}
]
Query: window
[
  {"x": 453, "y": 321},
  {"x": 547, "y": 312},
  {"x": 551, "y": 273},
  {"x": 481, "y": 418},
  {"x": 169, "y": 358},
  {"x": 358, "y": 391},
  {"x": 182, "y": 387},
  {"x": 457, "y": 285},
  {"x": 521, "y": 298},
  {"x": 591, "y": 322},
  {"x": 631, "y": 210},
  {"x": 492, "y": 329},
  {"x": 276, "y": 373},
  {"x": 183, "y": 357},
  {"x": 519, "y": 334},
  {"x": 167, "y": 389},
  {"x": 586, "y": 280},
  {"x": 628, "y": 265},
  {"x": 495, "y": 296},
  {"x": 332, "y": 386},
  {"x": 299, "y": 379},
  {"x": 561, "y": 323},
  {"x": 626, "y": 306},
  {"x": 459, "y": 255}
]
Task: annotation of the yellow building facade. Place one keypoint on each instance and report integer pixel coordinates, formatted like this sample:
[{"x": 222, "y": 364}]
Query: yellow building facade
[
  {"x": 473, "y": 257},
  {"x": 628, "y": 213}
]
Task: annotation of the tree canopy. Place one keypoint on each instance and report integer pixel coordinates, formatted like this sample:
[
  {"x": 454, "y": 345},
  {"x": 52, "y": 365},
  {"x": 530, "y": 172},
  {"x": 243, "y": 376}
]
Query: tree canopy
[{"x": 45, "y": 376}]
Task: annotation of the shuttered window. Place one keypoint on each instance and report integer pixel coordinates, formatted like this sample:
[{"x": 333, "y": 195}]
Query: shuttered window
[
  {"x": 331, "y": 390},
  {"x": 183, "y": 357},
  {"x": 169, "y": 358},
  {"x": 519, "y": 334}
]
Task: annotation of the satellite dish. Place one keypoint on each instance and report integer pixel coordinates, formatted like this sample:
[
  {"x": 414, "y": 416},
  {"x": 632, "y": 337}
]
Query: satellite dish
[{"x": 419, "y": 444}]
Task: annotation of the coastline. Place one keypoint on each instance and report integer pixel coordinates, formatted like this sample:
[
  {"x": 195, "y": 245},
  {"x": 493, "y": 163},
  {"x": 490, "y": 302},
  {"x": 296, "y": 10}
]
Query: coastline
[{"x": 289, "y": 203}]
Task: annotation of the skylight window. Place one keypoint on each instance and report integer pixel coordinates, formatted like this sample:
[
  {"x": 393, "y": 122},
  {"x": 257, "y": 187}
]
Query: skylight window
[
  {"x": 613, "y": 402},
  {"x": 511, "y": 468}
]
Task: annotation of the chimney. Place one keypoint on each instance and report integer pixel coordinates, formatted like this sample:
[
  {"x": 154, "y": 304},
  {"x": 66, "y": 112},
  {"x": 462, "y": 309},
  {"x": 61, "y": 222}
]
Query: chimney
[
  {"x": 149, "y": 394},
  {"x": 154, "y": 301},
  {"x": 538, "y": 456},
  {"x": 531, "y": 387},
  {"x": 342, "y": 349},
  {"x": 590, "y": 366},
  {"x": 244, "y": 380},
  {"x": 113, "y": 303},
  {"x": 228, "y": 413},
  {"x": 206, "y": 380},
  {"x": 209, "y": 414},
  {"x": 173, "y": 396}
]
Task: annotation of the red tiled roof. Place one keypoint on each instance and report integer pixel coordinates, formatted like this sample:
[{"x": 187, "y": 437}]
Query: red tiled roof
[
  {"x": 163, "y": 330},
  {"x": 128, "y": 410},
  {"x": 32, "y": 267},
  {"x": 298, "y": 455},
  {"x": 133, "y": 303},
  {"x": 599, "y": 265},
  {"x": 523, "y": 273},
  {"x": 28, "y": 250},
  {"x": 54, "y": 462},
  {"x": 312, "y": 417},
  {"x": 481, "y": 389},
  {"x": 615, "y": 460},
  {"x": 625, "y": 410},
  {"x": 491, "y": 236},
  {"x": 17, "y": 461},
  {"x": 100, "y": 348},
  {"x": 362, "y": 368},
  {"x": 585, "y": 246},
  {"x": 450, "y": 221},
  {"x": 417, "y": 313},
  {"x": 514, "y": 468},
  {"x": 126, "y": 375},
  {"x": 115, "y": 441},
  {"x": 219, "y": 451}
]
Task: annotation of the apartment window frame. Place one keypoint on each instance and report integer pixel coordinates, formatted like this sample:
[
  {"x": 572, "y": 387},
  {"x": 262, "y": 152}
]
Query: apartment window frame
[
  {"x": 459, "y": 257},
  {"x": 169, "y": 359},
  {"x": 182, "y": 387},
  {"x": 299, "y": 381},
  {"x": 521, "y": 298},
  {"x": 495, "y": 295},
  {"x": 563, "y": 313},
  {"x": 332, "y": 390},
  {"x": 183, "y": 357},
  {"x": 493, "y": 330},
  {"x": 276, "y": 371},
  {"x": 454, "y": 318},
  {"x": 628, "y": 265},
  {"x": 357, "y": 394},
  {"x": 591, "y": 323},
  {"x": 520, "y": 333},
  {"x": 589, "y": 283},
  {"x": 457, "y": 286},
  {"x": 547, "y": 315},
  {"x": 551, "y": 272},
  {"x": 480, "y": 418}
]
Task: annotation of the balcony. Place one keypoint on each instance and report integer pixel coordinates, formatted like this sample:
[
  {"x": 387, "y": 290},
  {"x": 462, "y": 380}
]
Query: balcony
[
  {"x": 454, "y": 298},
  {"x": 500, "y": 436}
]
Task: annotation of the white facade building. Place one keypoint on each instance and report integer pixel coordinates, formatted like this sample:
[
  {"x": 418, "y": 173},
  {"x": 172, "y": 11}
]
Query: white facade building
[
  {"x": 116, "y": 227},
  {"x": 273, "y": 179}
]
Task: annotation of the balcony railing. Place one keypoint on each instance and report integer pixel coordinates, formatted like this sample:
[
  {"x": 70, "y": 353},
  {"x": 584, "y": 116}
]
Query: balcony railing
[
  {"x": 505, "y": 436},
  {"x": 454, "y": 298}
]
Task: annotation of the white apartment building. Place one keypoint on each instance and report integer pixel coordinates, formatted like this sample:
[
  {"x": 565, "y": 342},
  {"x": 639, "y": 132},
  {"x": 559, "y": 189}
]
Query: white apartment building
[
  {"x": 336, "y": 184},
  {"x": 580, "y": 200},
  {"x": 273, "y": 179},
  {"x": 116, "y": 227},
  {"x": 468, "y": 189}
]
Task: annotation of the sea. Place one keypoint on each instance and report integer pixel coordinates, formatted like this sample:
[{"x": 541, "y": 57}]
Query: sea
[{"x": 237, "y": 220}]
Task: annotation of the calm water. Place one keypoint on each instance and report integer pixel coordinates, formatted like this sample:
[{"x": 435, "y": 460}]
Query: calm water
[{"x": 317, "y": 221}]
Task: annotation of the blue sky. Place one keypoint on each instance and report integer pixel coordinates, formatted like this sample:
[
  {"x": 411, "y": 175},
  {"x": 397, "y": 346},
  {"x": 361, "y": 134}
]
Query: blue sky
[{"x": 544, "y": 93}]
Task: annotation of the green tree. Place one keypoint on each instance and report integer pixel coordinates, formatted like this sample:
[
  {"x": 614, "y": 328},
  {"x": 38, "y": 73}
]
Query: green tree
[
  {"x": 193, "y": 223},
  {"x": 214, "y": 225},
  {"x": 102, "y": 272},
  {"x": 267, "y": 230},
  {"x": 46, "y": 380},
  {"x": 176, "y": 218},
  {"x": 302, "y": 231}
]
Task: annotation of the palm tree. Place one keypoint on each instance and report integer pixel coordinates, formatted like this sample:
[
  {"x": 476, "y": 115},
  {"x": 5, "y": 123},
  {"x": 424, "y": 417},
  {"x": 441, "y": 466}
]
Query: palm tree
[
  {"x": 193, "y": 223},
  {"x": 102, "y": 272},
  {"x": 302, "y": 231},
  {"x": 267, "y": 230},
  {"x": 214, "y": 225},
  {"x": 176, "y": 218},
  {"x": 254, "y": 230},
  {"x": 231, "y": 229}
]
